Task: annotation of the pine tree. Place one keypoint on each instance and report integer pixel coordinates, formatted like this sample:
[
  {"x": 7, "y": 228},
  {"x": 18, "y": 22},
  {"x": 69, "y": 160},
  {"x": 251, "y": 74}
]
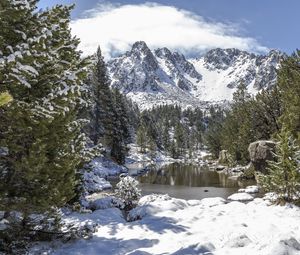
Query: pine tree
[
  {"x": 141, "y": 138},
  {"x": 284, "y": 173},
  {"x": 102, "y": 114},
  {"x": 166, "y": 136},
  {"x": 152, "y": 148},
  {"x": 121, "y": 111},
  {"x": 44, "y": 73},
  {"x": 118, "y": 149},
  {"x": 289, "y": 87},
  {"x": 237, "y": 131},
  {"x": 179, "y": 138},
  {"x": 213, "y": 133},
  {"x": 173, "y": 150},
  {"x": 266, "y": 110}
]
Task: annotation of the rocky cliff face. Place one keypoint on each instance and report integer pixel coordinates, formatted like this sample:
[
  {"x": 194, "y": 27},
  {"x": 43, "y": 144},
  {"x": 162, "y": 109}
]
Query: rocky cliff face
[{"x": 164, "y": 77}]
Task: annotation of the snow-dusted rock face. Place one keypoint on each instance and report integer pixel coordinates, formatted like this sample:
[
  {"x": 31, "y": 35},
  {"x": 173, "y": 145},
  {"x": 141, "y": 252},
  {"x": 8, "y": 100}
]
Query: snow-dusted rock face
[
  {"x": 164, "y": 77},
  {"x": 260, "y": 153}
]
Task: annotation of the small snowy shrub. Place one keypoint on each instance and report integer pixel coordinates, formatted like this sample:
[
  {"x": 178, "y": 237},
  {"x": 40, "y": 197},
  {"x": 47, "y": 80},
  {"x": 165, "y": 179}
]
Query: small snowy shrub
[{"x": 128, "y": 191}]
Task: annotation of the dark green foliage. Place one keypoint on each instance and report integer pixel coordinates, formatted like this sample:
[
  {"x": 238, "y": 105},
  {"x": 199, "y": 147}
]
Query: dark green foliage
[
  {"x": 113, "y": 117},
  {"x": 179, "y": 136},
  {"x": 102, "y": 114},
  {"x": 266, "y": 110},
  {"x": 213, "y": 134},
  {"x": 172, "y": 129},
  {"x": 284, "y": 174},
  {"x": 248, "y": 119},
  {"x": 166, "y": 140},
  {"x": 122, "y": 115},
  {"x": 237, "y": 130},
  {"x": 289, "y": 87},
  {"x": 40, "y": 129},
  {"x": 141, "y": 138}
]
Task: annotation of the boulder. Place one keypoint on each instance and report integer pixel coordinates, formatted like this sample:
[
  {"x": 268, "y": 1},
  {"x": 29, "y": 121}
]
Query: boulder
[{"x": 260, "y": 152}]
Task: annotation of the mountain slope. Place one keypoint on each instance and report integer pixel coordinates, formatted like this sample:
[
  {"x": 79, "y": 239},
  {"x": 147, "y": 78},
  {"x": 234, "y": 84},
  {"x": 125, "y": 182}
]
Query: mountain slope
[{"x": 165, "y": 77}]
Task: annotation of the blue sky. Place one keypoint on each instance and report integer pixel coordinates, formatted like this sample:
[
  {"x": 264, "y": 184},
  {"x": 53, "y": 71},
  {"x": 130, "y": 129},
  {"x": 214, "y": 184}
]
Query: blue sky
[{"x": 268, "y": 23}]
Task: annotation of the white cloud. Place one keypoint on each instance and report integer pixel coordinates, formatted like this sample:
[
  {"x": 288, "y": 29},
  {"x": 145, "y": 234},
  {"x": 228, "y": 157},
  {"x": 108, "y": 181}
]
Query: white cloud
[{"x": 116, "y": 27}]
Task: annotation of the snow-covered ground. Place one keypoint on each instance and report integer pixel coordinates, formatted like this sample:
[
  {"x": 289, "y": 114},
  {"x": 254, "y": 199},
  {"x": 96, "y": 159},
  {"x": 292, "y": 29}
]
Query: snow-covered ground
[
  {"x": 95, "y": 176},
  {"x": 164, "y": 225},
  {"x": 179, "y": 227}
]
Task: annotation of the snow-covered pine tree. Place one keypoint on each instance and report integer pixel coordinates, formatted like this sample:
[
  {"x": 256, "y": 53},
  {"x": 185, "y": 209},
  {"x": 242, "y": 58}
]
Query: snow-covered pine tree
[
  {"x": 102, "y": 116},
  {"x": 152, "y": 148},
  {"x": 121, "y": 111},
  {"x": 141, "y": 138},
  {"x": 98, "y": 77},
  {"x": 121, "y": 131},
  {"x": 166, "y": 136},
  {"x": 179, "y": 138},
  {"x": 284, "y": 173},
  {"x": 43, "y": 71},
  {"x": 128, "y": 191}
]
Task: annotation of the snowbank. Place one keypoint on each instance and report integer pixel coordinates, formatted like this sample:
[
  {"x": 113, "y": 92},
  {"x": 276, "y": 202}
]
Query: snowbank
[
  {"x": 250, "y": 189},
  {"x": 242, "y": 196},
  {"x": 95, "y": 175},
  {"x": 180, "y": 227}
]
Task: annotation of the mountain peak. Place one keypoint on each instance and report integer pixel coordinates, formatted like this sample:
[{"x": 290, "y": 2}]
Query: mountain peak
[
  {"x": 163, "y": 52},
  {"x": 140, "y": 46},
  {"x": 166, "y": 77}
]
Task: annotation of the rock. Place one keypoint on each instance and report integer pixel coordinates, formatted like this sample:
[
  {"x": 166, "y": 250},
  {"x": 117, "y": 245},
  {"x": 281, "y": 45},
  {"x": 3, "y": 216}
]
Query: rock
[
  {"x": 260, "y": 152},
  {"x": 249, "y": 189},
  {"x": 252, "y": 189},
  {"x": 237, "y": 169},
  {"x": 220, "y": 168},
  {"x": 292, "y": 242},
  {"x": 237, "y": 241},
  {"x": 223, "y": 157},
  {"x": 242, "y": 197}
]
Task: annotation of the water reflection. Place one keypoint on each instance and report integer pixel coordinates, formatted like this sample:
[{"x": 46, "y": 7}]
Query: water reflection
[
  {"x": 187, "y": 181},
  {"x": 187, "y": 175}
]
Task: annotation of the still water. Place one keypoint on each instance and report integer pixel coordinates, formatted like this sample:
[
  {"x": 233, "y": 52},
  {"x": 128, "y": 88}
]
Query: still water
[{"x": 187, "y": 181}]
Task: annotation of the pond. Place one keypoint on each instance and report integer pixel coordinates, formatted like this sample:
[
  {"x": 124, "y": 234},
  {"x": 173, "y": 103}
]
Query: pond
[{"x": 186, "y": 181}]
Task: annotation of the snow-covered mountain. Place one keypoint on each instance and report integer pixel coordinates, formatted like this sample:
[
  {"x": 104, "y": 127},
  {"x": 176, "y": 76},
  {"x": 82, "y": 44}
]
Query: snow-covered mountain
[{"x": 164, "y": 77}]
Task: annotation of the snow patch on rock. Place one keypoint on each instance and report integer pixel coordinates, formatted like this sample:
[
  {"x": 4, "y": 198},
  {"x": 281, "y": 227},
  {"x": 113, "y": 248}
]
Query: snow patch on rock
[{"x": 240, "y": 197}]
